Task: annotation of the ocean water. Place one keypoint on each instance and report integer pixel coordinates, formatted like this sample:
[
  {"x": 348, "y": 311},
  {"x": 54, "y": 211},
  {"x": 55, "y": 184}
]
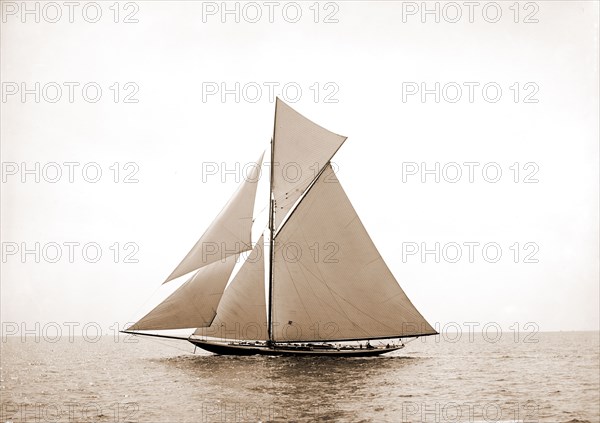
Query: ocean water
[{"x": 549, "y": 377}]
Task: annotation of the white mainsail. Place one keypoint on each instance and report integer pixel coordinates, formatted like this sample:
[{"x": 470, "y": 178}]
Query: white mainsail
[
  {"x": 301, "y": 149},
  {"x": 229, "y": 233},
  {"x": 193, "y": 304},
  {"x": 242, "y": 312},
  {"x": 330, "y": 281}
]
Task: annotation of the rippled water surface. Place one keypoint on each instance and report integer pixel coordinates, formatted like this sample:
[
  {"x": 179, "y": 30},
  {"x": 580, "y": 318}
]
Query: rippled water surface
[{"x": 555, "y": 379}]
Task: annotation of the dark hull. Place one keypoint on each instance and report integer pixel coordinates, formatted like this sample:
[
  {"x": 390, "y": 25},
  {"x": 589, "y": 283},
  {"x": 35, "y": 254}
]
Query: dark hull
[{"x": 236, "y": 349}]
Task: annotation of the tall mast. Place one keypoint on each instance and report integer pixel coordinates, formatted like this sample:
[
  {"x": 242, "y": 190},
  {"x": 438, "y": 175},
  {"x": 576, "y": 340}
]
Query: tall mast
[{"x": 271, "y": 232}]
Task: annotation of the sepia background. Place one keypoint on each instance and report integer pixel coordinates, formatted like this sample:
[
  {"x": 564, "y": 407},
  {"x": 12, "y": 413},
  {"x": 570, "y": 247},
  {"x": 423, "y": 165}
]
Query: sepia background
[
  {"x": 472, "y": 127},
  {"x": 156, "y": 131}
]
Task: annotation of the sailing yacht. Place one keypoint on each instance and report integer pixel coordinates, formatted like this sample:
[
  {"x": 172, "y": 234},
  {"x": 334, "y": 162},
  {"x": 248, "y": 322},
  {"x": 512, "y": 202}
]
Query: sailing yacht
[{"x": 314, "y": 282}]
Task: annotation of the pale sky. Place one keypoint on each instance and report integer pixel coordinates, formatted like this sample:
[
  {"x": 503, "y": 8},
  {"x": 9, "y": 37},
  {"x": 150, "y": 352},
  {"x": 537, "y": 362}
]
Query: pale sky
[{"x": 366, "y": 61}]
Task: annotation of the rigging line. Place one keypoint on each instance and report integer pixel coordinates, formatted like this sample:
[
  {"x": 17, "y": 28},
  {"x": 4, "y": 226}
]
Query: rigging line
[
  {"x": 261, "y": 211},
  {"x": 144, "y": 304},
  {"x": 307, "y": 190},
  {"x": 166, "y": 344},
  {"x": 299, "y": 182},
  {"x": 301, "y": 198}
]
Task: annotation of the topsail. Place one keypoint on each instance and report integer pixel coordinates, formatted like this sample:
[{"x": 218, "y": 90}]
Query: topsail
[{"x": 301, "y": 150}]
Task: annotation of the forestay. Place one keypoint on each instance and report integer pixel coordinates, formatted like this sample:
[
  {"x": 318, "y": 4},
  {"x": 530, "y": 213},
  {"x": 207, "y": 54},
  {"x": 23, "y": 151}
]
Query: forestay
[{"x": 242, "y": 311}]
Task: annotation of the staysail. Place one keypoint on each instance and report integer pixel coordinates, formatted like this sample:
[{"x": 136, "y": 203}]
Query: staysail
[
  {"x": 242, "y": 311},
  {"x": 229, "y": 233},
  {"x": 193, "y": 304},
  {"x": 301, "y": 149},
  {"x": 330, "y": 281}
]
